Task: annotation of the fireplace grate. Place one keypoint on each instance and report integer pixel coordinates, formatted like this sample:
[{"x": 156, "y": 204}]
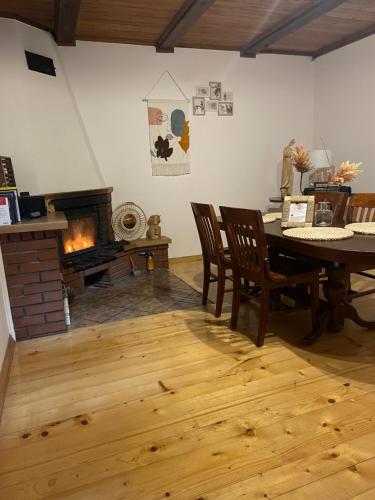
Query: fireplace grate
[{"x": 95, "y": 257}]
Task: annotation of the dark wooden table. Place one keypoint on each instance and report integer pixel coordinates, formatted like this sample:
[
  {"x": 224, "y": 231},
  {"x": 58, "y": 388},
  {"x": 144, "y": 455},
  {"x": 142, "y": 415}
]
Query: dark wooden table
[{"x": 339, "y": 258}]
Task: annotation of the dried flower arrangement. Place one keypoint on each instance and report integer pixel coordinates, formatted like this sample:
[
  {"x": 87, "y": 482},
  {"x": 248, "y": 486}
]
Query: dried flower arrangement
[
  {"x": 347, "y": 172},
  {"x": 301, "y": 162}
]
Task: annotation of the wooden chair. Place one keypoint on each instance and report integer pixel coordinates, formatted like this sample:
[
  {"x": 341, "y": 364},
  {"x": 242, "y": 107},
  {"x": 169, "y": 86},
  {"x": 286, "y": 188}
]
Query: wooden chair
[
  {"x": 250, "y": 262},
  {"x": 212, "y": 251},
  {"x": 338, "y": 200},
  {"x": 361, "y": 209}
]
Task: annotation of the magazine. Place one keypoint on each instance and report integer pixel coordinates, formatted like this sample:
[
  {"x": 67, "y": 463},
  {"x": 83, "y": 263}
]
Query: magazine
[{"x": 5, "y": 218}]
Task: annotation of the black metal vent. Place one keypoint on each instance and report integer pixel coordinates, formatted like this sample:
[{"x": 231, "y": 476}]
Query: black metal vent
[{"x": 39, "y": 63}]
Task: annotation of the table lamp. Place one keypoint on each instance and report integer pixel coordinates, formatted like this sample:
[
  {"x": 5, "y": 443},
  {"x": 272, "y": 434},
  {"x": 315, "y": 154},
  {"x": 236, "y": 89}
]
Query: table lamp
[{"x": 320, "y": 159}]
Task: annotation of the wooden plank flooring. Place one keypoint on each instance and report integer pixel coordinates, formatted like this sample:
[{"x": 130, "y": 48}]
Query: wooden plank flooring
[{"x": 177, "y": 405}]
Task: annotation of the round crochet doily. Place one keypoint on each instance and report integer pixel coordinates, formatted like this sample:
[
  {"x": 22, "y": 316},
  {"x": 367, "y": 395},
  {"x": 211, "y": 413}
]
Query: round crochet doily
[
  {"x": 362, "y": 227},
  {"x": 271, "y": 217},
  {"x": 318, "y": 233}
]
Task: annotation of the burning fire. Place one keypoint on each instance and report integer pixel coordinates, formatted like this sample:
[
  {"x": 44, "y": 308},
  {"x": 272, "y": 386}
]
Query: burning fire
[
  {"x": 78, "y": 244},
  {"x": 79, "y": 235}
]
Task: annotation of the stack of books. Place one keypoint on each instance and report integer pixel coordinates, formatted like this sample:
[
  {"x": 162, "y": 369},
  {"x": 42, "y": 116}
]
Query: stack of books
[{"x": 9, "y": 209}]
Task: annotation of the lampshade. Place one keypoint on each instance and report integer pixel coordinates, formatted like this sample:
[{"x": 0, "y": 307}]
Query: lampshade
[{"x": 321, "y": 158}]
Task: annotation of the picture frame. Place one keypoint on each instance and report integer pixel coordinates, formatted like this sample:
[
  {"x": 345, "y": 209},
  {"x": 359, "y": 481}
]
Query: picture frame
[
  {"x": 215, "y": 90},
  {"x": 227, "y": 95},
  {"x": 225, "y": 108},
  {"x": 212, "y": 106},
  {"x": 199, "y": 106},
  {"x": 321, "y": 174},
  {"x": 298, "y": 211},
  {"x": 202, "y": 91}
]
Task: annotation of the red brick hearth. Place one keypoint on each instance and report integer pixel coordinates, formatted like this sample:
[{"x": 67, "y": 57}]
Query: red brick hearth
[{"x": 120, "y": 267}]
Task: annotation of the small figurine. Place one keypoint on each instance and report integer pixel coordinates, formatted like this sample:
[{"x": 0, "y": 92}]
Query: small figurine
[
  {"x": 287, "y": 173},
  {"x": 154, "y": 230}
]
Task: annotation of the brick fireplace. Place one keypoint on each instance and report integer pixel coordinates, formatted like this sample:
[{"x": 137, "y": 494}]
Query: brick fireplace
[
  {"x": 87, "y": 246},
  {"x": 70, "y": 246},
  {"x": 89, "y": 222}
]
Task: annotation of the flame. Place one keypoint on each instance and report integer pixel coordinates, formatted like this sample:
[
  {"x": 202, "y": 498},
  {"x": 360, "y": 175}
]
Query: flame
[
  {"x": 79, "y": 235},
  {"x": 80, "y": 243}
]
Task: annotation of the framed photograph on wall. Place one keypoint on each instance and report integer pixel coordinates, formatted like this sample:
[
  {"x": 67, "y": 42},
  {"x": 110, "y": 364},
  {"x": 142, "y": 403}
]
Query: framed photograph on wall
[
  {"x": 225, "y": 108},
  {"x": 298, "y": 211},
  {"x": 202, "y": 91},
  {"x": 199, "y": 108},
  {"x": 227, "y": 95},
  {"x": 215, "y": 90},
  {"x": 212, "y": 106}
]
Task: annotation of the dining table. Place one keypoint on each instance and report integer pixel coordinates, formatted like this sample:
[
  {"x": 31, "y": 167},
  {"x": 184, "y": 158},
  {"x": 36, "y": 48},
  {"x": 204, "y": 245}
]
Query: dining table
[{"x": 339, "y": 258}]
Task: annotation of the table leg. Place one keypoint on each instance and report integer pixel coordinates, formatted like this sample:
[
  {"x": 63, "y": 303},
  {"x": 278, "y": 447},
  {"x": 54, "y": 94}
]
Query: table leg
[
  {"x": 332, "y": 314},
  {"x": 335, "y": 291}
]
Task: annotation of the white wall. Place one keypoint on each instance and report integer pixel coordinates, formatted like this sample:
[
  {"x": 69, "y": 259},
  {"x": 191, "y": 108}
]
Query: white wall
[
  {"x": 39, "y": 125},
  {"x": 345, "y": 107},
  {"x": 87, "y": 128},
  {"x": 6, "y": 324},
  {"x": 234, "y": 160}
]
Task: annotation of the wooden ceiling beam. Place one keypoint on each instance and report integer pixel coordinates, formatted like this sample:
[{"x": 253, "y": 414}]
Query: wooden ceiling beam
[
  {"x": 184, "y": 19},
  {"x": 66, "y": 17},
  {"x": 287, "y": 52},
  {"x": 25, "y": 20},
  {"x": 355, "y": 37},
  {"x": 263, "y": 41}
]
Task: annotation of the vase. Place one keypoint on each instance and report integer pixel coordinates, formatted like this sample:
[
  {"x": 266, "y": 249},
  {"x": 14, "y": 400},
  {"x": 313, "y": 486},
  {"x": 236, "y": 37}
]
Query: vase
[
  {"x": 323, "y": 214},
  {"x": 300, "y": 183}
]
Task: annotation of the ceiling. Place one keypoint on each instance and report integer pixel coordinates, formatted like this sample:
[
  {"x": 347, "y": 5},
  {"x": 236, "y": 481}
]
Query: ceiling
[{"x": 296, "y": 27}]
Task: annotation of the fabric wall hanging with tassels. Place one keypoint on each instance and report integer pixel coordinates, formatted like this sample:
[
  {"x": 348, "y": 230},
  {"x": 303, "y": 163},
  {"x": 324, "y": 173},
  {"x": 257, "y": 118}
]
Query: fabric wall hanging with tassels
[{"x": 169, "y": 134}]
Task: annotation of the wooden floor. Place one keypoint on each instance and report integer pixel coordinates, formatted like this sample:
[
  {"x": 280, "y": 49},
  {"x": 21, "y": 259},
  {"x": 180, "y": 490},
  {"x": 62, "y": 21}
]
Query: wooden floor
[{"x": 177, "y": 405}]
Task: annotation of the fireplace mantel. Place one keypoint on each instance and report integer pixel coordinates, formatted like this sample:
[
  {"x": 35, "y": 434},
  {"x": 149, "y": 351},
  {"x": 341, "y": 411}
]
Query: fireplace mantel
[
  {"x": 77, "y": 194},
  {"x": 52, "y": 221}
]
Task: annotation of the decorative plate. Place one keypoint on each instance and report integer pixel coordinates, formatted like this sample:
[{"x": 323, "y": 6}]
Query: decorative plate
[
  {"x": 318, "y": 233},
  {"x": 129, "y": 222},
  {"x": 268, "y": 218},
  {"x": 362, "y": 227},
  {"x": 271, "y": 217}
]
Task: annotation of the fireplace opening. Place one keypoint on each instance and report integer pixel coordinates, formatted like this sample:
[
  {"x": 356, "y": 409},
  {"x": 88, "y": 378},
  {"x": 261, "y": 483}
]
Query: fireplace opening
[
  {"x": 88, "y": 241},
  {"x": 80, "y": 235}
]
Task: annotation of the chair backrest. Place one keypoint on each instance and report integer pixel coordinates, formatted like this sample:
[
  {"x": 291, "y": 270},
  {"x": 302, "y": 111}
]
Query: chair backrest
[
  {"x": 247, "y": 242},
  {"x": 209, "y": 231},
  {"x": 362, "y": 207},
  {"x": 338, "y": 201}
]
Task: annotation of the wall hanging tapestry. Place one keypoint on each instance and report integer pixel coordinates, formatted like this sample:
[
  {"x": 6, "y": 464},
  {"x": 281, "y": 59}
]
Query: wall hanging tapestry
[{"x": 168, "y": 122}]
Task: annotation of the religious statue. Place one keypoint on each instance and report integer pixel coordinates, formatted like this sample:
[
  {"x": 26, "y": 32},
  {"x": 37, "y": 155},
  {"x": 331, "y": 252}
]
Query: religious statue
[
  {"x": 154, "y": 230},
  {"x": 287, "y": 173}
]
